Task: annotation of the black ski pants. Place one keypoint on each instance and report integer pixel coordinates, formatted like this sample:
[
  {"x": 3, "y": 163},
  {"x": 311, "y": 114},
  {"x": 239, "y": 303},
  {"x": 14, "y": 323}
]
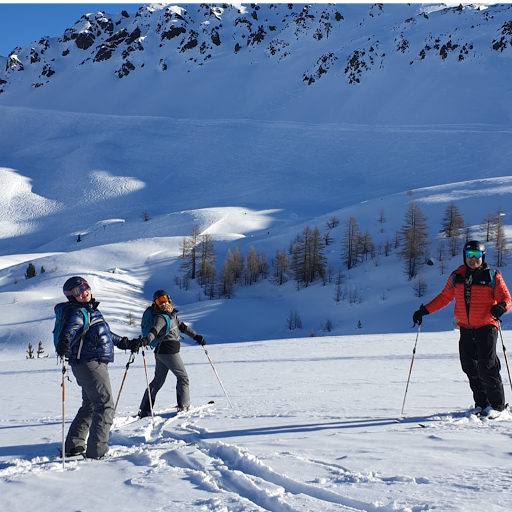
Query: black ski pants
[{"x": 477, "y": 349}]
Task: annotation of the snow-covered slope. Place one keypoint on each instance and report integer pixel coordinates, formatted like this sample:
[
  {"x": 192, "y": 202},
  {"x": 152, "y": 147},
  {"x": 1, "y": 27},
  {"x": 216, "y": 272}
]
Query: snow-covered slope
[
  {"x": 63, "y": 172},
  {"x": 313, "y": 428}
]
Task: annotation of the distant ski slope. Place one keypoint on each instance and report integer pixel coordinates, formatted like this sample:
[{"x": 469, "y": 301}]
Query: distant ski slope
[{"x": 63, "y": 172}]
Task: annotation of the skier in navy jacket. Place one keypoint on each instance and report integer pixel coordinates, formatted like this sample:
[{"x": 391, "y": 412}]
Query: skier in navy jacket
[{"x": 89, "y": 356}]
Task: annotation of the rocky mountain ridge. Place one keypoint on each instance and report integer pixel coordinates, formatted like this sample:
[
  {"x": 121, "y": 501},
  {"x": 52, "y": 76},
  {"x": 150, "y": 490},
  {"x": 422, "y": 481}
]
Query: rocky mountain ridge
[{"x": 234, "y": 46}]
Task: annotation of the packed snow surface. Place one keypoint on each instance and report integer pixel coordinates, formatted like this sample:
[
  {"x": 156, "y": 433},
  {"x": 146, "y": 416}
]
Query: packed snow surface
[{"x": 315, "y": 425}]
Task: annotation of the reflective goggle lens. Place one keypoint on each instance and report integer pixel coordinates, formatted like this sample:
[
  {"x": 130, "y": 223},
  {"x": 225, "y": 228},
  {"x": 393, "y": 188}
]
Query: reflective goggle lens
[
  {"x": 162, "y": 300},
  {"x": 78, "y": 290},
  {"x": 474, "y": 254}
]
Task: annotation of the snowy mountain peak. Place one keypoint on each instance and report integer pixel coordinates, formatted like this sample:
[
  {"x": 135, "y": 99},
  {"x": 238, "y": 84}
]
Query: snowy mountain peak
[{"x": 298, "y": 54}]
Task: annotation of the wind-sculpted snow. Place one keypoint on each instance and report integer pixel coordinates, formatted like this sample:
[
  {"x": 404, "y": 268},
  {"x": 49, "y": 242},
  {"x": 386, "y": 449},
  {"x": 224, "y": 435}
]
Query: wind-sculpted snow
[
  {"x": 118, "y": 167},
  {"x": 20, "y": 209},
  {"x": 104, "y": 187}
]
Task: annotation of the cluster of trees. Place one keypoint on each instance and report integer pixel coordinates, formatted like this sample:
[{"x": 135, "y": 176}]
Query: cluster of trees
[
  {"x": 414, "y": 241},
  {"x": 31, "y": 271},
  {"x": 198, "y": 258},
  {"x": 40, "y": 351},
  {"x": 305, "y": 260}
]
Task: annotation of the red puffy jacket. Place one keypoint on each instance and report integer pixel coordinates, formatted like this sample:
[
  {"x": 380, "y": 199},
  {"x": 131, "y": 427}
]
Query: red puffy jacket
[{"x": 483, "y": 296}]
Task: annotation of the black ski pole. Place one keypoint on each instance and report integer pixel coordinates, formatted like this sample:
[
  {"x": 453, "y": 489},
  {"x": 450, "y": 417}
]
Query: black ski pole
[
  {"x": 147, "y": 381},
  {"x": 130, "y": 361},
  {"x": 504, "y": 353},
  {"x": 218, "y": 378},
  {"x": 410, "y": 369}
]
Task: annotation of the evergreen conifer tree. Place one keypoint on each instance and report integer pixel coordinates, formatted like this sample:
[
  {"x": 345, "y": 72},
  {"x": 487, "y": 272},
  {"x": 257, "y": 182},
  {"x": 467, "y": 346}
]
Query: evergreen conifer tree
[
  {"x": 30, "y": 351},
  {"x": 31, "y": 271},
  {"x": 40, "y": 350}
]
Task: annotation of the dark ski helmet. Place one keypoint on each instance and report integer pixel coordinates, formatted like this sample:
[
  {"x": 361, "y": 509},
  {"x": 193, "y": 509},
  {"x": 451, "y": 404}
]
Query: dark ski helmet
[
  {"x": 75, "y": 286},
  {"x": 474, "y": 245},
  {"x": 159, "y": 293}
]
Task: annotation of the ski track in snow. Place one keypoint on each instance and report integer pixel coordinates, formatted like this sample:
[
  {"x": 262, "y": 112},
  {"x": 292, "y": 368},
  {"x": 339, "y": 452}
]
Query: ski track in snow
[{"x": 241, "y": 481}]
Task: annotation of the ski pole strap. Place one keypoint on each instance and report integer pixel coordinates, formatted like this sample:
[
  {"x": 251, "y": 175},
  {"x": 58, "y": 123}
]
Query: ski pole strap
[{"x": 130, "y": 361}]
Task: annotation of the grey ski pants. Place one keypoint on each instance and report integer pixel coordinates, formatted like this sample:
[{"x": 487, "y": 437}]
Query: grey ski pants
[
  {"x": 97, "y": 412},
  {"x": 164, "y": 363}
]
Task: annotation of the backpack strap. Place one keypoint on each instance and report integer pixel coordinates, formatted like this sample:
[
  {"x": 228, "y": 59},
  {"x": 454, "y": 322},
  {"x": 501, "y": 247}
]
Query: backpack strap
[
  {"x": 492, "y": 274},
  {"x": 453, "y": 275},
  {"x": 168, "y": 320},
  {"x": 157, "y": 341},
  {"x": 85, "y": 328}
]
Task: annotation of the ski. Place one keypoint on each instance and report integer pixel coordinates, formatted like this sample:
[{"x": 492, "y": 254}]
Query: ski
[
  {"x": 499, "y": 414},
  {"x": 471, "y": 413},
  {"x": 74, "y": 456},
  {"x": 173, "y": 413}
]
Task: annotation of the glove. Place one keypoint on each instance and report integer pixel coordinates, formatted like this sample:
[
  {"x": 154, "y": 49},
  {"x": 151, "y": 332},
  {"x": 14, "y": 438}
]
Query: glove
[
  {"x": 135, "y": 344},
  {"x": 124, "y": 344},
  {"x": 200, "y": 339},
  {"x": 62, "y": 349},
  {"x": 418, "y": 315},
  {"x": 498, "y": 309}
]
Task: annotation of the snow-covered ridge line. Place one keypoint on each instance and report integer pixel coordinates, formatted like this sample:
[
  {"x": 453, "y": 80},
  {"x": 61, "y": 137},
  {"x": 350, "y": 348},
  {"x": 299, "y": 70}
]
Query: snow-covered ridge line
[{"x": 343, "y": 44}]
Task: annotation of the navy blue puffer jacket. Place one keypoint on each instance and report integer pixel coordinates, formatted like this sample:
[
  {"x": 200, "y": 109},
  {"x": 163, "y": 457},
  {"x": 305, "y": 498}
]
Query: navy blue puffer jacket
[{"x": 98, "y": 342}]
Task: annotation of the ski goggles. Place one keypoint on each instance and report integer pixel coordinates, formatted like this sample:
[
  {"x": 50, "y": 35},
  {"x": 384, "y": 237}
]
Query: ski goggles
[
  {"x": 78, "y": 290},
  {"x": 162, "y": 300},
  {"x": 474, "y": 254}
]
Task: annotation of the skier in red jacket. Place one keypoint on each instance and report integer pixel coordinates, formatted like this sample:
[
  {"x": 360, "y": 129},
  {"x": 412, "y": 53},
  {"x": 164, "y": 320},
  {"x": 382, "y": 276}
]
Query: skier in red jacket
[{"x": 481, "y": 297}]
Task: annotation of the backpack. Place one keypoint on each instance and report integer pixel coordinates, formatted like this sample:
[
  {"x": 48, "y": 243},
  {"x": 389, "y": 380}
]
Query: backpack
[
  {"x": 147, "y": 324},
  {"x": 59, "y": 321},
  {"x": 492, "y": 274}
]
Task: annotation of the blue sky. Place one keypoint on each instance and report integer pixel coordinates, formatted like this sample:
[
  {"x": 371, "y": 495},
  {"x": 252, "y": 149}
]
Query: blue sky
[{"x": 23, "y": 23}]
